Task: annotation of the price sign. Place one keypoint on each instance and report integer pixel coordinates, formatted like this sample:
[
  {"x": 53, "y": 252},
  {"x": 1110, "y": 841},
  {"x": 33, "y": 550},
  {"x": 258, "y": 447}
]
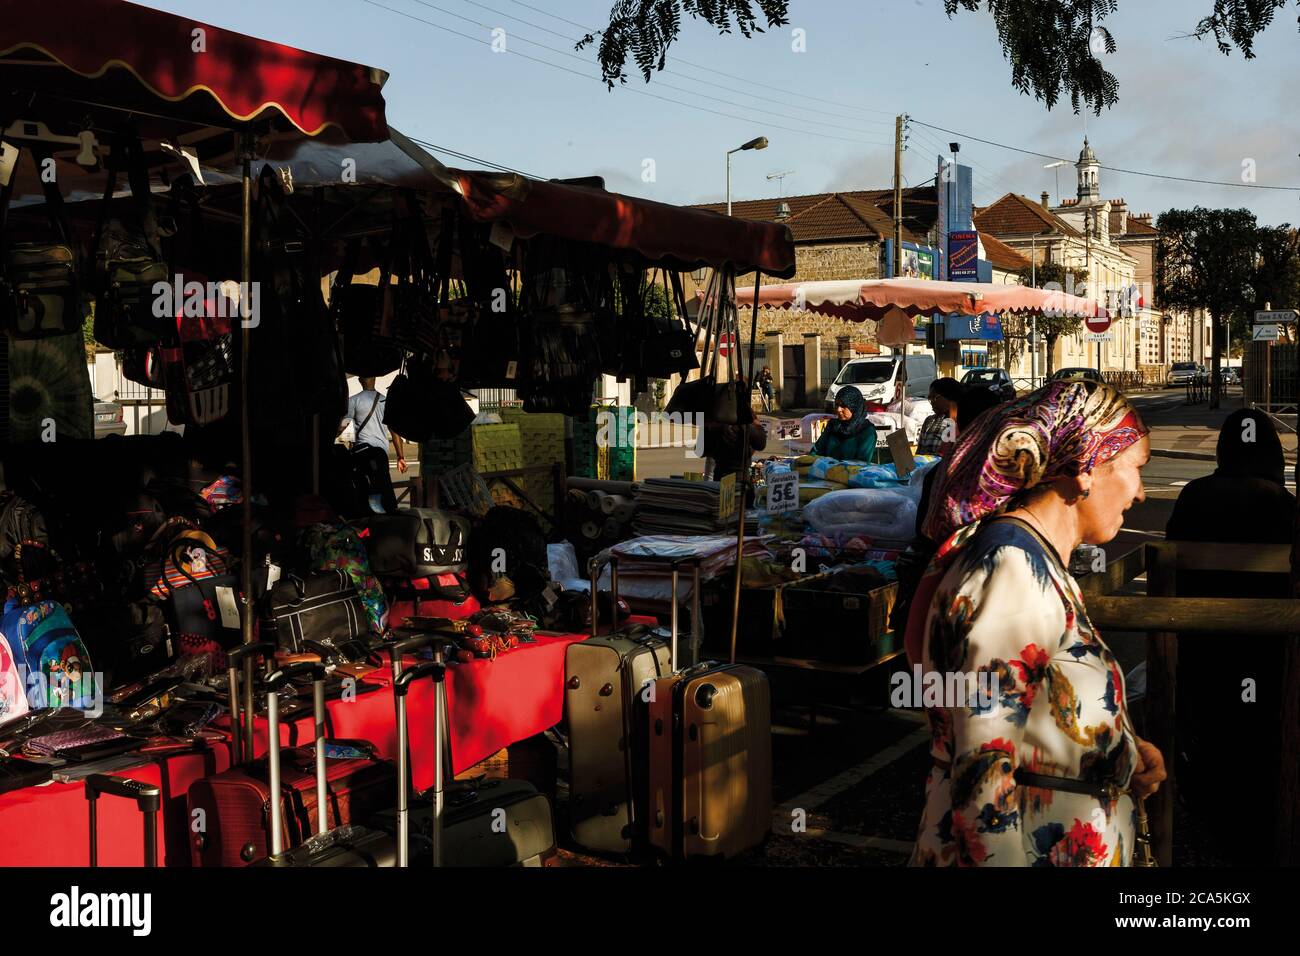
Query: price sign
[
  {"x": 727, "y": 496},
  {"x": 783, "y": 492}
]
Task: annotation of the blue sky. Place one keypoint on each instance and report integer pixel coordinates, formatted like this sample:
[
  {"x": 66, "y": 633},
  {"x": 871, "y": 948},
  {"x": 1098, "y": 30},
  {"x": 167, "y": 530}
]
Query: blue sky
[{"x": 1184, "y": 109}]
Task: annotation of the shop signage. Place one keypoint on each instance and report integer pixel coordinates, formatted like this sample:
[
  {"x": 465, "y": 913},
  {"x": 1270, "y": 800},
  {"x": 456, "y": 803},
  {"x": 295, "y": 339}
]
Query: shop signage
[
  {"x": 727, "y": 496},
  {"x": 963, "y": 255},
  {"x": 783, "y": 492}
]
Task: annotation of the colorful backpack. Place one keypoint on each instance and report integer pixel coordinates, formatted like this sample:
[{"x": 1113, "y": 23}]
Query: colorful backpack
[
  {"x": 333, "y": 546},
  {"x": 13, "y": 693},
  {"x": 51, "y": 647}
]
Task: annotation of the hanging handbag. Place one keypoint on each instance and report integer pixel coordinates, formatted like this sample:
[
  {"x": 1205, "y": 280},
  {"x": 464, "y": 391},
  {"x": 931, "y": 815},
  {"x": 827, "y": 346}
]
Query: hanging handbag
[
  {"x": 420, "y": 406},
  {"x": 358, "y": 310},
  {"x": 667, "y": 347},
  {"x": 129, "y": 261},
  {"x": 414, "y": 543},
  {"x": 720, "y": 402},
  {"x": 39, "y": 292}
]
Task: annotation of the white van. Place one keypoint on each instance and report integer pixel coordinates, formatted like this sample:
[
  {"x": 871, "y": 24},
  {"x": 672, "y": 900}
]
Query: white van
[{"x": 877, "y": 378}]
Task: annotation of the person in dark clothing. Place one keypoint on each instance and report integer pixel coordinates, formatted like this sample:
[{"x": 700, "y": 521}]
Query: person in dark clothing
[
  {"x": 970, "y": 402},
  {"x": 850, "y": 436},
  {"x": 945, "y": 397},
  {"x": 1219, "y": 722},
  {"x": 725, "y": 445}
]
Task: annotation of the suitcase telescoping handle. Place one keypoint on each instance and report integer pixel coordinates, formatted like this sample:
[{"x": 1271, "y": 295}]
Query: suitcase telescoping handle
[
  {"x": 234, "y": 658},
  {"x": 401, "y": 686},
  {"x": 594, "y": 566},
  {"x": 147, "y": 796},
  {"x": 675, "y": 567},
  {"x": 273, "y": 682}
]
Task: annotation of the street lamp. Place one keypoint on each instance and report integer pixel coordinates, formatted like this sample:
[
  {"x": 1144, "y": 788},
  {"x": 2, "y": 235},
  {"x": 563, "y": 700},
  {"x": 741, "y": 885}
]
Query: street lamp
[
  {"x": 1057, "y": 166},
  {"x": 759, "y": 142}
]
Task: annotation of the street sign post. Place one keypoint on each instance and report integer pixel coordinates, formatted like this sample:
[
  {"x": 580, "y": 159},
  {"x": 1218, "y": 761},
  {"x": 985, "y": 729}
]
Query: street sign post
[
  {"x": 1264, "y": 333},
  {"x": 1276, "y": 316}
]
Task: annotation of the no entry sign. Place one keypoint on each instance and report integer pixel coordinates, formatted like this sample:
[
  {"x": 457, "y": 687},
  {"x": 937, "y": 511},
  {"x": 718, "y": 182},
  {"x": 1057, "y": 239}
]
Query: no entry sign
[{"x": 1097, "y": 324}]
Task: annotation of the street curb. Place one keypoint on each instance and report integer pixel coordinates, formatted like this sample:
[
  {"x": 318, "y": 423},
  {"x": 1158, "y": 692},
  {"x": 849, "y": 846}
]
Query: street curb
[{"x": 1192, "y": 455}]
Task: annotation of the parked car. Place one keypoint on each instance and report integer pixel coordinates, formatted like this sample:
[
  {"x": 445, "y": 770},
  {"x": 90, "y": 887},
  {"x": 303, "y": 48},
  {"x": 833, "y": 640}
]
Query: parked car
[
  {"x": 1228, "y": 375},
  {"x": 109, "y": 419},
  {"x": 1183, "y": 372},
  {"x": 1075, "y": 375},
  {"x": 997, "y": 380},
  {"x": 877, "y": 378}
]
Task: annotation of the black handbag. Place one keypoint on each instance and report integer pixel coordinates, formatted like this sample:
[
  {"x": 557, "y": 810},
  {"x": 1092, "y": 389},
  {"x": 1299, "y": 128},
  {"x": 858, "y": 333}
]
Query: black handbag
[
  {"x": 668, "y": 347},
  {"x": 359, "y": 312},
  {"x": 323, "y": 608},
  {"x": 39, "y": 292},
  {"x": 420, "y": 406},
  {"x": 722, "y": 403},
  {"x": 196, "y": 609},
  {"x": 415, "y": 543},
  {"x": 129, "y": 261}
]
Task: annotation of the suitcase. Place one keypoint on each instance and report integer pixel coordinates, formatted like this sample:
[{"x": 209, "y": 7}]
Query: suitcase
[
  {"x": 147, "y": 796},
  {"x": 710, "y": 758},
  {"x": 359, "y": 846},
  {"x": 603, "y": 677},
  {"x": 240, "y": 822},
  {"x": 493, "y": 823}
]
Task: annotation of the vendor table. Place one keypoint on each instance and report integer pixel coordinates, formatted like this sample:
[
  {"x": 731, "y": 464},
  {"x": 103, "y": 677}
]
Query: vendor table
[{"x": 492, "y": 703}]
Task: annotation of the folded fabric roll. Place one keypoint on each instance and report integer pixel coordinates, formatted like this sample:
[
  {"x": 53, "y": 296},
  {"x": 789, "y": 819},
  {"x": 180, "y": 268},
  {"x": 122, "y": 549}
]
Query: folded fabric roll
[{"x": 888, "y": 513}]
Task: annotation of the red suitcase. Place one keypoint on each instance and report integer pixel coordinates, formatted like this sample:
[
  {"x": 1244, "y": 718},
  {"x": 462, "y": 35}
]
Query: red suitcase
[{"x": 230, "y": 812}]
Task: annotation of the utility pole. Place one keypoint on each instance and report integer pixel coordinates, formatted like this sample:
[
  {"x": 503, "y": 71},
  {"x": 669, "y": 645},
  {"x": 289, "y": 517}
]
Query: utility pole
[{"x": 898, "y": 196}]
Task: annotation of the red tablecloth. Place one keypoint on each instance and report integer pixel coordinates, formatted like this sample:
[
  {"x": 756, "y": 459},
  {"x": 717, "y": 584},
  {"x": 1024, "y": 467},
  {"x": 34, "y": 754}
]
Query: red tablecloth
[
  {"x": 50, "y": 825},
  {"x": 493, "y": 703}
]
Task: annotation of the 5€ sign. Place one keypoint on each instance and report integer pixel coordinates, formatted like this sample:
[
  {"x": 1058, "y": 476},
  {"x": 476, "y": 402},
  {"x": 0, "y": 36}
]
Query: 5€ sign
[{"x": 783, "y": 492}]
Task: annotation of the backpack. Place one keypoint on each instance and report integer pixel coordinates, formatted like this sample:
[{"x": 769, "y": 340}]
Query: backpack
[
  {"x": 339, "y": 547},
  {"x": 13, "y": 693},
  {"x": 518, "y": 535},
  {"x": 50, "y": 647}
]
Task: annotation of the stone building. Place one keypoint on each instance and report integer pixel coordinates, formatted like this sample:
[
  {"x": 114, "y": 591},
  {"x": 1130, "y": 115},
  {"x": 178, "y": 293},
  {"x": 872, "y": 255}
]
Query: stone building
[{"x": 837, "y": 235}]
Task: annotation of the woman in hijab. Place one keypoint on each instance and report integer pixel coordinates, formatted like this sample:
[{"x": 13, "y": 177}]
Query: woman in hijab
[
  {"x": 1244, "y": 501},
  {"x": 850, "y": 435},
  {"x": 1035, "y": 760}
]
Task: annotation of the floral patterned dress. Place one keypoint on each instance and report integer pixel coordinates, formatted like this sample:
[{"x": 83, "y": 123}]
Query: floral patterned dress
[{"x": 1007, "y": 608}]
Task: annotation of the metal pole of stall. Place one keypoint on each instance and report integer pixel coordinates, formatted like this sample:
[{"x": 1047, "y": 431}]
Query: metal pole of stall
[
  {"x": 246, "y": 441},
  {"x": 743, "y": 477}
]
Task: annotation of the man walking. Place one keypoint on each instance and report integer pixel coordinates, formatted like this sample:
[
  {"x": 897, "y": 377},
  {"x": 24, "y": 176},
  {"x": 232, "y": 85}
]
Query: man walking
[{"x": 370, "y": 446}]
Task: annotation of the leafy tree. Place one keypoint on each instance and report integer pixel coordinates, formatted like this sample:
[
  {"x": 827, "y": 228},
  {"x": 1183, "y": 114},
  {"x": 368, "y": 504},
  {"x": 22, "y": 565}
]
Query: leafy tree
[
  {"x": 1054, "y": 46},
  {"x": 1208, "y": 259},
  {"x": 645, "y": 29},
  {"x": 1052, "y": 275}
]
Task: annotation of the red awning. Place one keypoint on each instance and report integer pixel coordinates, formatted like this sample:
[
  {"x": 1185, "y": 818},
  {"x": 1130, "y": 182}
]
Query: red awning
[
  {"x": 683, "y": 238},
  {"x": 112, "y": 51},
  {"x": 862, "y": 299}
]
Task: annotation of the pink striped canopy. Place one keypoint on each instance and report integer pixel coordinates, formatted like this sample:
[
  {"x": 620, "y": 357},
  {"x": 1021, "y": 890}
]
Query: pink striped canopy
[{"x": 862, "y": 299}]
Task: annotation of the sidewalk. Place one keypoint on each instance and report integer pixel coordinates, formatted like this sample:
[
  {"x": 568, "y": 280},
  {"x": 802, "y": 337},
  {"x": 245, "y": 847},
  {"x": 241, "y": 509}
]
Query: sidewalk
[{"x": 1179, "y": 430}]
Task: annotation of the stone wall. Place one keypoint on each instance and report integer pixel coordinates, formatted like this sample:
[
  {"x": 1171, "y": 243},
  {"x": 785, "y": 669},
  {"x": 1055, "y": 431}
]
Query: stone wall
[{"x": 813, "y": 263}]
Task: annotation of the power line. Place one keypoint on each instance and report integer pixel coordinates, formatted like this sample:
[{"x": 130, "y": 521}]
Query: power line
[
  {"x": 588, "y": 76},
  {"x": 690, "y": 79},
  {"x": 1113, "y": 169},
  {"x": 473, "y": 159},
  {"x": 709, "y": 69}
]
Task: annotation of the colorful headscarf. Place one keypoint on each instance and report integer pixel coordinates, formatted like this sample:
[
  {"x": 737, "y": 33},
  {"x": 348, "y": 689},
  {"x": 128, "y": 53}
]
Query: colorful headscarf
[{"x": 1063, "y": 428}]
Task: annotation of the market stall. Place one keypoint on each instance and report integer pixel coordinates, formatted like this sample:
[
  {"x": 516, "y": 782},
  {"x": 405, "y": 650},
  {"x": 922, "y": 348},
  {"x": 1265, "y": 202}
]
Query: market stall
[{"x": 180, "y": 554}]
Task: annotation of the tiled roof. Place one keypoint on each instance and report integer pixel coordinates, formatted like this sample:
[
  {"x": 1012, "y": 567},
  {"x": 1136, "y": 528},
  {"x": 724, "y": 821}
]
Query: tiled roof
[
  {"x": 1014, "y": 215},
  {"x": 854, "y": 214},
  {"x": 1134, "y": 227},
  {"x": 1002, "y": 255}
]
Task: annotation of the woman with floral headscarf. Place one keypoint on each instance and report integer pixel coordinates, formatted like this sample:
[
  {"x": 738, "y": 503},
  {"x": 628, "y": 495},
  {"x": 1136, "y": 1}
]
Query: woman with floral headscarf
[{"x": 1035, "y": 760}]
